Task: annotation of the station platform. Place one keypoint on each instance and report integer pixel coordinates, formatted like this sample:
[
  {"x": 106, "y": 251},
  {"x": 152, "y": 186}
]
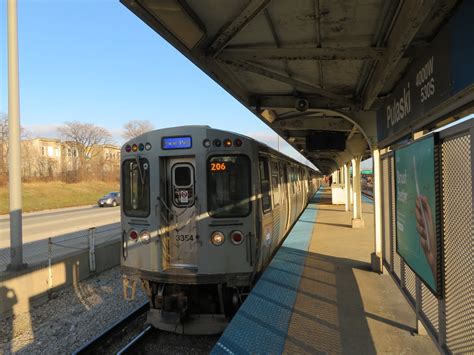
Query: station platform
[{"x": 318, "y": 295}]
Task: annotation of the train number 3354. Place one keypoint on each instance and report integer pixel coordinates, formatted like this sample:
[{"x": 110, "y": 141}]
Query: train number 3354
[
  {"x": 218, "y": 166},
  {"x": 184, "y": 237}
]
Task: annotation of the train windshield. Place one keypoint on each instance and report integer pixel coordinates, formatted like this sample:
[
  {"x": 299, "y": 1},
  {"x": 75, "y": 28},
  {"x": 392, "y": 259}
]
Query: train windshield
[
  {"x": 136, "y": 187},
  {"x": 228, "y": 186}
]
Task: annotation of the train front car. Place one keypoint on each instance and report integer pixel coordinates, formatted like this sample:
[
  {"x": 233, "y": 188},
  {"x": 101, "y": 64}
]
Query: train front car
[{"x": 188, "y": 230}]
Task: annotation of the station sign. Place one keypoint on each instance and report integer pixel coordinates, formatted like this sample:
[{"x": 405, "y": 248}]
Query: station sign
[{"x": 442, "y": 71}]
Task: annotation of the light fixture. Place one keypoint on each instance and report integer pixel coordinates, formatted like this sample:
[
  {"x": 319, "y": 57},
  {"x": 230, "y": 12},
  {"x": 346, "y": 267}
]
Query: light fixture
[
  {"x": 145, "y": 236},
  {"x": 217, "y": 238}
]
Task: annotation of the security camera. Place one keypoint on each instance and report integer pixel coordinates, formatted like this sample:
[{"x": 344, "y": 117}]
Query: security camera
[{"x": 301, "y": 105}]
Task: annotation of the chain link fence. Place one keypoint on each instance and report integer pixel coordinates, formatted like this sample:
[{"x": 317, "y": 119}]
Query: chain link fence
[
  {"x": 450, "y": 320},
  {"x": 41, "y": 252}
]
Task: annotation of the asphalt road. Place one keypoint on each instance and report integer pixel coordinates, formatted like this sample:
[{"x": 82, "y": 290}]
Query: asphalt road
[{"x": 42, "y": 225}]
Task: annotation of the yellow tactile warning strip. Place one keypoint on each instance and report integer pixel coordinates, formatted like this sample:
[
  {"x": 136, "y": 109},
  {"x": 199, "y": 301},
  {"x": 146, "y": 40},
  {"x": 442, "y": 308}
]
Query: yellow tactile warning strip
[{"x": 341, "y": 306}]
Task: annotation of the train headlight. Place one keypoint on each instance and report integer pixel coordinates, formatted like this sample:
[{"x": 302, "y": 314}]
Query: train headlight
[
  {"x": 217, "y": 238},
  {"x": 145, "y": 237},
  {"x": 237, "y": 237},
  {"x": 227, "y": 143},
  {"x": 206, "y": 143},
  {"x": 238, "y": 142},
  {"x": 148, "y": 146},
  {"x": 133, "y": 234}
]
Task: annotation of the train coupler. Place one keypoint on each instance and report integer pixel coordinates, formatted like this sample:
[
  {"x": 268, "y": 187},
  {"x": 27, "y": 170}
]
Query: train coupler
[{"x": 129, "y": 288}]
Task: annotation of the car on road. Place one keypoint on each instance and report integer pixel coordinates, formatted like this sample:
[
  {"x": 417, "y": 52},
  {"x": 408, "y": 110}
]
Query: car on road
[{"x": 111, "y": 199}]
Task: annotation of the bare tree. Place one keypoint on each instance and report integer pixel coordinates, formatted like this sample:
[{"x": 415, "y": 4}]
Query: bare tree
[
  {"x": 86, "y": 139},
  {"x": 133, "y": 129},
  {"x": 4, "y": 144}
]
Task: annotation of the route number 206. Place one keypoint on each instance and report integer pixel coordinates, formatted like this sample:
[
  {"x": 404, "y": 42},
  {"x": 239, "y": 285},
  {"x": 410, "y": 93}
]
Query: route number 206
[
  {"x": 218, "y": 166},
  {"x": 184, "y": 237}
]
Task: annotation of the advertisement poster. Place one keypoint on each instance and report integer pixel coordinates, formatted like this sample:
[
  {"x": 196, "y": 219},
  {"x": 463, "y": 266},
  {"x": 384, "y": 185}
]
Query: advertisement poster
[{"x": 416, "y": 209}]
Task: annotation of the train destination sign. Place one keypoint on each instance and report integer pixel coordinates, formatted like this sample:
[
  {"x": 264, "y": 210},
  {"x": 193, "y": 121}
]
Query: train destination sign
[
  {"x": 169, "y": 143},
  {"x": 418, "y": 241},
  {"x": 218, "y": 166},
  {"x": 440, "y": 73}
]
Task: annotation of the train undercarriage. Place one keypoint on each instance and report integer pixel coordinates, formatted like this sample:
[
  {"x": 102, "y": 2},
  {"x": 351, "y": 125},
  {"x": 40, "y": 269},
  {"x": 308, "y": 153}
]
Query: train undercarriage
[{"x": 192, "y": 309}]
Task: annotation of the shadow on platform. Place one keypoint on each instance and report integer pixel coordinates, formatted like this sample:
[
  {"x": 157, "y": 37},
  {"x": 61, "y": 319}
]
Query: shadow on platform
[{"x": 328, "y": 315}]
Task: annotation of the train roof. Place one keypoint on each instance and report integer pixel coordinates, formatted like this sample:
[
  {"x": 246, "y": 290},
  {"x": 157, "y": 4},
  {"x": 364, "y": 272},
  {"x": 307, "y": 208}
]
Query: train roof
[{"x": 262, "y": 146}]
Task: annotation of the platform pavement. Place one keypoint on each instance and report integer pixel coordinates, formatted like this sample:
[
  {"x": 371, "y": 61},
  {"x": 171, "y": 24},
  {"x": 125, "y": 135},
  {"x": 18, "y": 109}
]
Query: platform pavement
[{"x": 318, "y": 295}]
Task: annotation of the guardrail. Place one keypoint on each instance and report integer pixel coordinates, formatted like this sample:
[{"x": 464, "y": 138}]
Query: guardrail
[{"x": 42, "y": 252}]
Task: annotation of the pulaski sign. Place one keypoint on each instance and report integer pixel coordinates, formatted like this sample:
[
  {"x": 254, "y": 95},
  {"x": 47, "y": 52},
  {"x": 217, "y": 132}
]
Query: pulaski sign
[{"x": 433, "y": 78}]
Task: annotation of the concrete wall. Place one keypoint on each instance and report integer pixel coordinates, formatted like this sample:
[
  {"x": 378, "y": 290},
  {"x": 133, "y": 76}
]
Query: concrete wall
[{"x": 19, "y": 291}]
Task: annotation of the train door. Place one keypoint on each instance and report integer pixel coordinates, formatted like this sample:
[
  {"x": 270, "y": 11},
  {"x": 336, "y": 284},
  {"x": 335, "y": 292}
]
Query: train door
[
  {"x": 276, "y": 199},
  {"x": 266, "y": 212},
  {"x": 287, "y": 195},
  {"x": 293, "y": 192},
  {"x": 182, "y": 245}
]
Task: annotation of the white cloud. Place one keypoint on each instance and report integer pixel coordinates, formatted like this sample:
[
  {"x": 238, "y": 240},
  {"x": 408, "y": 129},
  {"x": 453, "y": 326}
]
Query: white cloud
[
  {"x": 51, "y": 131},
  {"x": 42, "y": 131}
]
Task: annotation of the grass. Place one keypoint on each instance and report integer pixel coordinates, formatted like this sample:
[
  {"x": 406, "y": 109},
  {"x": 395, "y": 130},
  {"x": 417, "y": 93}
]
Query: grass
[{"x": 38, "y": 196}]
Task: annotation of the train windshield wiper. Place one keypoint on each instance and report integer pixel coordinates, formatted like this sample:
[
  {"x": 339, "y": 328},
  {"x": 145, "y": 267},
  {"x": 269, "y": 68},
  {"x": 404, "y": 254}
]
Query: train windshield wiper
[{"x": 142, "y": 178}]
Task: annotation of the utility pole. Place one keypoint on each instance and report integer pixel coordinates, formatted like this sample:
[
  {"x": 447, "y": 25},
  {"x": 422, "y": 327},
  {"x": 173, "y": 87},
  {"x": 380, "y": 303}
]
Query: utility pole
[{"x": 14, "y": 151}]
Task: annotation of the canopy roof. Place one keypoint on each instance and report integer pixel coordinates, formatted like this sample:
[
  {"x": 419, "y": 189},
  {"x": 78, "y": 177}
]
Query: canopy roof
[{"x": 307, "y": 68}]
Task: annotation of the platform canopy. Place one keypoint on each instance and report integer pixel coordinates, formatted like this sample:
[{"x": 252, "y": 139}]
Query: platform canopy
[{"x": 313, "y": 70}]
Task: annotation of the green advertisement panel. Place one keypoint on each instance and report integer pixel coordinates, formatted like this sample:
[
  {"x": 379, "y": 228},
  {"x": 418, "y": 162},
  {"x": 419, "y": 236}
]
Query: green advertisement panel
[{"x": 417, "y": 241}]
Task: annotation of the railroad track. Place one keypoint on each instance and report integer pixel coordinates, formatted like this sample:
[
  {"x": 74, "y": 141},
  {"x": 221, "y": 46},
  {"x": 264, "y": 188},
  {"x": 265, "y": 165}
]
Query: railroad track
[
  {"x": 114, "y": 335},
  {"x": 135, "y": 343},
  {"x": 131, "y": 336}
]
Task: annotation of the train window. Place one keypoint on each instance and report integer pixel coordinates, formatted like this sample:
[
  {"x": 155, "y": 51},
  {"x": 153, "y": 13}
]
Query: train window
[
  {"x": 283, "y": 178},
  {"x": 228, "y": 186},
  {"x": 265, "y": 184},
  {"x": 183, "y": 185},
  {"x": 275, "y": 184},
  {"x": 136, "y": 187},
  {"x": 292, "y": 179},
  {"x": 300, "y": 179},
  {"x": 182, "y": 176}
]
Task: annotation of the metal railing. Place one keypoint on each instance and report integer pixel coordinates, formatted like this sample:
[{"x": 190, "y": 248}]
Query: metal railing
[{"x": 44, "y": 251}]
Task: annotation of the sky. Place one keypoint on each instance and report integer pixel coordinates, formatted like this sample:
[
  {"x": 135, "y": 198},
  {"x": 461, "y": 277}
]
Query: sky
[{"x": 94, "y": 61}]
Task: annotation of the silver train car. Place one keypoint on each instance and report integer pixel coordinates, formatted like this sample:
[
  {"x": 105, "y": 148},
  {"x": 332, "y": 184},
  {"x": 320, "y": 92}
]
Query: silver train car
[{"x": 203, "y": 210}]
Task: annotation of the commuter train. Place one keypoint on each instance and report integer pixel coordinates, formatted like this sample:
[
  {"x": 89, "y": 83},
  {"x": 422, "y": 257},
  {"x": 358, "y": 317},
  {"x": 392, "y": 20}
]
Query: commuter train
[{"x": 203, "y": 211}]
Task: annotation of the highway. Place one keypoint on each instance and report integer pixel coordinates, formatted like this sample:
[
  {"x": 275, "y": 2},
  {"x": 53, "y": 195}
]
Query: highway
[{"x": 54, "y": 223}]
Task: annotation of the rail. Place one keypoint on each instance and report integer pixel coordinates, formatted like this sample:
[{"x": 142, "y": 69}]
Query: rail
[
  {"x": 131, "y": 346},
  {"x": 99, "y": 344}
]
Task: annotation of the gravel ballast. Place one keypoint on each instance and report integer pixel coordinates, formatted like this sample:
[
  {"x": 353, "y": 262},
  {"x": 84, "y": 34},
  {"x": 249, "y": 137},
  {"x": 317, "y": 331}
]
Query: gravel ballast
[{"x": 75, "y": 316}]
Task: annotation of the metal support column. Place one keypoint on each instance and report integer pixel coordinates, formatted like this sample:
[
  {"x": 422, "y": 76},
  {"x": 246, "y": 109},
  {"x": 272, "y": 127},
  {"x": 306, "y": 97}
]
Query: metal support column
[
  {"x": 376, "y": 256},
  {"x": 14, "y": 153},
  {"x": 357, "y": 221},
  {"x": 347, "y": 179}
]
